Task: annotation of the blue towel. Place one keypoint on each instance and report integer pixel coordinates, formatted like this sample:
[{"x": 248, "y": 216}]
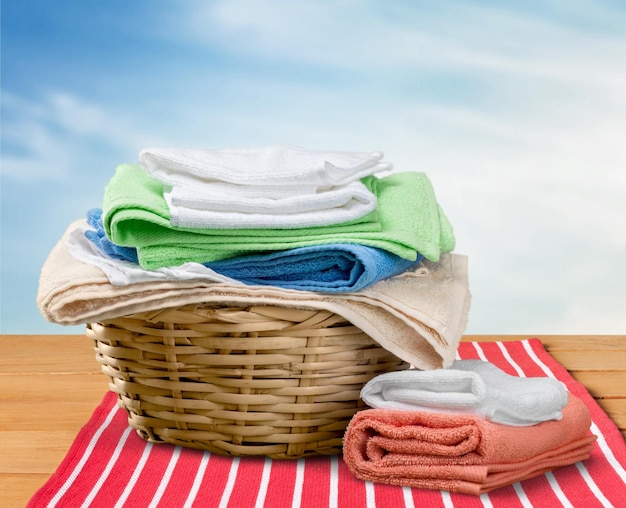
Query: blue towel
[
  {"x": 331, "y": 268},
  {"x": 98, "y": 237}
]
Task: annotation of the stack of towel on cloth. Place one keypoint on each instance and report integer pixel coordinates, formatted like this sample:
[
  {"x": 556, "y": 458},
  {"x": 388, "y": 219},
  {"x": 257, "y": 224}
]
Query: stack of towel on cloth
[
  {"x": 470, "y": 428},
  {"x": 278, "y": 225}
]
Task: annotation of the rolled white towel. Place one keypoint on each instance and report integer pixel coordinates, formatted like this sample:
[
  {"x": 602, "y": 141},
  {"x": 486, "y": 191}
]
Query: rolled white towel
[{"x": 470, "y": 386}]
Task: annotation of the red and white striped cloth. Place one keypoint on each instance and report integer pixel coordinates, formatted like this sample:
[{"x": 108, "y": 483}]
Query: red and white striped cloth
[{"x": 109, "y": 466}]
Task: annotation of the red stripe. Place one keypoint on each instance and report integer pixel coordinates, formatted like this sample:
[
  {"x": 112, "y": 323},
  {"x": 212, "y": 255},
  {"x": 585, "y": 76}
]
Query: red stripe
[
  {"x": 429, "y": 498},
  {"x": 574, "y": 486},
  {"x": 520, "y": 355},
  {"x": 282, "y": 483},
  {"x": 316, "y": 486},
  {"x": 182, "y": 478},
  {"x": 539, "y": 492},
  {"x": 247, "y": 483},
  {"x": 505, "y": 497},
  {"x": 467, "y": 352},
  {"x": 432, "y": 498},
  {"x": 492, "y": 353},
  {"x": 150, "y": 478},
  {"x": 97, "y": 462},
  {"x": 388, "y": 496},
  {"x": 123, "y": 469},
  {"x": 214, "y": 481},
  {"x": 351, "y": 491}
]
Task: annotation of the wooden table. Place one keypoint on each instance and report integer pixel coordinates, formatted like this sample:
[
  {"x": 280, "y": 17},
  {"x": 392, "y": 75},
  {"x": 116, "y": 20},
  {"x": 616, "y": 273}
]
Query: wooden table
[{"x": 50, "y": 384}]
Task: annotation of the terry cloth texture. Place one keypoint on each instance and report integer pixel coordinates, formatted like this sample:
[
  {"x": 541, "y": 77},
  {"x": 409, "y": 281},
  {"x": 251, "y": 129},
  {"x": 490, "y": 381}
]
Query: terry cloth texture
[
  {"x": 461, "y": 452},
  {"x": 407, "y": 221},
  {"x": 98, "y": 237},
  {"x": 276, "y": 166},
  {"x": 470, "y": 386},
  {"x": 193, "y": 208},
  {"x": 332, "y": 268},
  {"x": 418, "y": 315},
  {"x": 110, "y": 465}
]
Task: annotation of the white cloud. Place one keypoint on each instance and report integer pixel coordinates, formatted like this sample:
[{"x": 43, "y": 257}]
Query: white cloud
[
  {"x": 370, "y": 37},
  {"x": 51, "y": 138}
]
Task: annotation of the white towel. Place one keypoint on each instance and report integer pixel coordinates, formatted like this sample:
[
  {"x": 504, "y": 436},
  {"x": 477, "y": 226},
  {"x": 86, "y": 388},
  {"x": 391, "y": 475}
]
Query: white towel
[
  {"x": 269, "y": 166},
  {"x": 193, "y": 209},
  {"x": 271, "y": 191},
  {"x": 123, "y": 273},
  {"x": 275, "y": 186},
  {"x": 470, "y": 386},
  {"x": 325, "y": 198}
]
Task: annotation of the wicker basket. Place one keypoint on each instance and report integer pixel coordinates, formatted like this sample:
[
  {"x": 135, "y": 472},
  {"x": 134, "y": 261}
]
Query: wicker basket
[{"x": 261, "y": 380}]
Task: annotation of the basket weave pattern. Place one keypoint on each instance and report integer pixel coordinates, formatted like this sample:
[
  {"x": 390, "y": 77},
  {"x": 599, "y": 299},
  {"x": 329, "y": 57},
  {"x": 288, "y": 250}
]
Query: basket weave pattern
[{"x": 261, "y": 380}]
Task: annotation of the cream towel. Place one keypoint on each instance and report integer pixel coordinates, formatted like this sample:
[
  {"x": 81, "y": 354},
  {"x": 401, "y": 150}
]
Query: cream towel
[{"x": 419, "y": 315}]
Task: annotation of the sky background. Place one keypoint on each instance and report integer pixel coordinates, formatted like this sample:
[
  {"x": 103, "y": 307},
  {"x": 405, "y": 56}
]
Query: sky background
[{"x": 515, "y": 110}]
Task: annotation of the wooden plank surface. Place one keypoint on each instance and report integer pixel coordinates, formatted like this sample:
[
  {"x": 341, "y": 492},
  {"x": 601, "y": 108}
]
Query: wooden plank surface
[{"x": 50, "y": 385}]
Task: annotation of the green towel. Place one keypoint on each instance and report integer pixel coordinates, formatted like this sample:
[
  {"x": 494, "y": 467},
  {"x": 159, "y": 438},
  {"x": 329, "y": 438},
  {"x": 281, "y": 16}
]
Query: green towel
[{"x": 407, "y": 220}]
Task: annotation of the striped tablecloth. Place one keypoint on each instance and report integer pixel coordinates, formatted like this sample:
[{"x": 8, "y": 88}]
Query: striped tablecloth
[{"x": 109, "y": 465}]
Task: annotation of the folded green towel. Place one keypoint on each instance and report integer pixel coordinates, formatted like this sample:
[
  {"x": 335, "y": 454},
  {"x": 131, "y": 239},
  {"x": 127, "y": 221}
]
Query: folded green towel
[{"x": 407, "y": 220}]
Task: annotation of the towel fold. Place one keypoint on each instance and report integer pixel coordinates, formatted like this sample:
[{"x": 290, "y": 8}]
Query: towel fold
[
  {"x": 333, "y": 268},
  {"x": 419, "y": 315},
  {"x": 97, "y": 236},
  {"x": 470, "y": 386},
  {"x": 407, "y": 220},
  {"x": 91, "y": 247},
  {"x": 192, "y": 208},
  {"x": 274, "y": 167},
  {"x": 461, "y": 452}
]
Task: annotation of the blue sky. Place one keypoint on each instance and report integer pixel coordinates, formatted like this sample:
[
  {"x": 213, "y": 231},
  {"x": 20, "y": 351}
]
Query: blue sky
[{"x": 515, "y": 110}]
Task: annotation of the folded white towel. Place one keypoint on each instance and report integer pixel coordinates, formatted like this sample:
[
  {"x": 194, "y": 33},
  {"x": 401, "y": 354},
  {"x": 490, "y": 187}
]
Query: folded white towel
[
  {"x": 271, "y": 191},
  {"x": 192, "y": 209},
  {"x": 225, "y": 201},
  {"x": 269, "y": 166},
  {"x": 470, "y": 386}
]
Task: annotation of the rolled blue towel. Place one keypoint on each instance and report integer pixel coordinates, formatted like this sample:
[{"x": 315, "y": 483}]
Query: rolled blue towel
[
  {"x": 332, "y": 268},
  {"x": 99, "y": 238}
]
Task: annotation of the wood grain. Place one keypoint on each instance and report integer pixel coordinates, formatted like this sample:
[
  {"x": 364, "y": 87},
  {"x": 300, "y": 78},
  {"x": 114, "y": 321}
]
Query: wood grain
[{"x": 50, "y": 385}]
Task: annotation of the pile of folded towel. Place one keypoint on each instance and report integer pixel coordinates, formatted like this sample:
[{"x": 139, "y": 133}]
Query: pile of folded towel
[
  {"x": 470, "y": 428},
  {"x": 280, "y": 225}
]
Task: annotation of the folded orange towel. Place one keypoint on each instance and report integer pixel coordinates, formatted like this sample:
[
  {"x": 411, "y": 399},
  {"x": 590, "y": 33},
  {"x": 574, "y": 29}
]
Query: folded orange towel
[{"x": 461, "y": 452}]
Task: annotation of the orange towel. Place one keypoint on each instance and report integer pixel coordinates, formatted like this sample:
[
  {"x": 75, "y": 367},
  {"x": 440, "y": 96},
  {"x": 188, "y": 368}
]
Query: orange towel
[{"x": 461, "y": 452}]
